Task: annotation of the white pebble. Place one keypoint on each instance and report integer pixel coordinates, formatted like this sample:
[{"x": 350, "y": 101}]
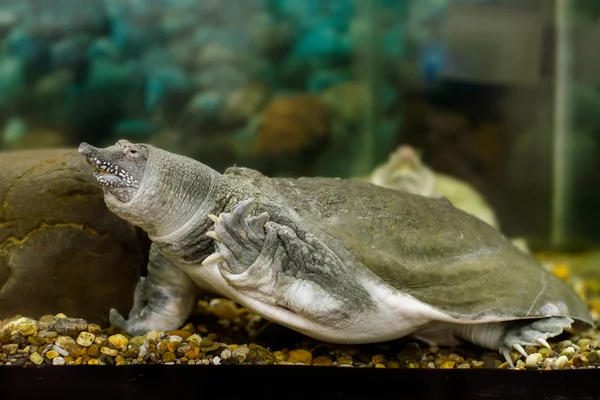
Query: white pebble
[
  {"x": 216, "y": 360},
  {"x": 60, "y": 350},
  {"x": 143, "y": 350},
  {"x": 58, "y": 361},
  {"x": 569, "y": 352},
  {"x": 561, "y": 362},
  {"x": 533, "y": 360},
  {"x": 241, "y": 350},
  {"x": 175, "y": 338},
  {"x": 225, "y": 354},
  {"x": 431, "y": 365}
]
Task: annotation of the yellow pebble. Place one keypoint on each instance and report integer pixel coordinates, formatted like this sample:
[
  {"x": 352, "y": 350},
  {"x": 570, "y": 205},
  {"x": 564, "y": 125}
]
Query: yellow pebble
[
  {"x": 51, "y": 354},
  {"x": 562, "y": 271},
  {"x": 119, "y": 363},
  {"x": 322, "y": 361},
  {"x": 118, "y": 341},
  {"x": 79, "y": 361},
  {"x": 36, "y": 358},
  {"x": 447, "y": 365},
  {"x": 379, "y": 366},
  {"x": 60, "y": 315},
  {"x": 93, "y": 361},
  {"x": 190, "y": 355},
  {"x": 301, "y": 356},
  {"x": 109, "y": 352},
  {"x": 119, "y": 358}
]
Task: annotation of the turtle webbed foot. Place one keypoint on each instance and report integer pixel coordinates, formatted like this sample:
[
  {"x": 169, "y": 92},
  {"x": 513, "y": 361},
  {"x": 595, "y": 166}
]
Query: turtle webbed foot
[
  {"x": 162, "y": 301},
  {"x": 534, "y": 333},
  {"x": 238, "y": 237}
]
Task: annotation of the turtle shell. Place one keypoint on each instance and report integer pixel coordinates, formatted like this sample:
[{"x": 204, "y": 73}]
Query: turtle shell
[{"x": 429, "y": 249}]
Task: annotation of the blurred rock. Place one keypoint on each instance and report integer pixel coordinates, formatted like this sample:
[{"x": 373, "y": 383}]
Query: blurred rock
[
  {"x": 61, "y": 250},
  {"x": 290, "y": 124}
]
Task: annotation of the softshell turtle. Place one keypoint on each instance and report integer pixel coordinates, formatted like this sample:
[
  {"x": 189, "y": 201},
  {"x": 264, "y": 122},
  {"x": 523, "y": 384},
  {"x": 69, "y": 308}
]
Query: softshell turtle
[
  {"x": 404, "y": 170},
  {"x": 339, "y": 260}
]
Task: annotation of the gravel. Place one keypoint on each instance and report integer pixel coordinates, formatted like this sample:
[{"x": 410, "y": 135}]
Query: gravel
[{"x": 229, "y": 335}]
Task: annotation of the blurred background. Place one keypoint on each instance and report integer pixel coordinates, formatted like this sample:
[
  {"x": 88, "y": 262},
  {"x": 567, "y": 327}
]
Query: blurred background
[{"x": 502, "y": 94}]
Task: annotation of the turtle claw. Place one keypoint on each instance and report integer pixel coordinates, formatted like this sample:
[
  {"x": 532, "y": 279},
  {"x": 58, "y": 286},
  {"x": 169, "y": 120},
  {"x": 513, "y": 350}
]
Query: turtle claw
[
  {"x": 506, "y": 354},
  {"x": 520, "y": 349},
  {"x": 214, "y": 235},
  {"x": 534, "y": 333},
  {"x": 543, "y": 343},
  {"x": 239, "y": 237},
  {"x": 215, "y": 257}
]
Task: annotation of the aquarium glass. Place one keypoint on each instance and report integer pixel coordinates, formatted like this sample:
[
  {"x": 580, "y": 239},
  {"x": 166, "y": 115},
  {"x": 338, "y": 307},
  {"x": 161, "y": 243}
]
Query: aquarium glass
[{"x": 499, "y": 99}]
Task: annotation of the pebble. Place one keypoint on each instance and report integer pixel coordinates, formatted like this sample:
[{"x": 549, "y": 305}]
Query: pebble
[
  {"x": 118, "y": 341},
  {"x": 448, "y": 365},
  {"x": 85, "y": 339},
  {"x": 58, "y": 361},
  {"x": 322, "y": 361},
  {"x": 60, "y": 350},
  {"x": 300, "y": 356},
  {"x": 205, "y": 347},
  {"x": 569, "y": 352},
  {"x": 533, "y": 360},
  {"x": 561, "y": 362},
  {"x": 109, "y": 352}
]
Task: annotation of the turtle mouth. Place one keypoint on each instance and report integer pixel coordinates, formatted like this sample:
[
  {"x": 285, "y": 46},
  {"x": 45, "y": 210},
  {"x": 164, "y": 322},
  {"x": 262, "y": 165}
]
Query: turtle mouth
[
  {"x": 106, "y": 173},
  {"x": 110, "y": 175}
]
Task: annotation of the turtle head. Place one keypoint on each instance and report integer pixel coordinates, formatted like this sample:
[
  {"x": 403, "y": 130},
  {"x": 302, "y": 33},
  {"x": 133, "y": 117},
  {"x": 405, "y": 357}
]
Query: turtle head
[
  {"x": 404, "y": 171},
  {"x": 152, "y": 188},
  {"x": 119, "y": 168}
]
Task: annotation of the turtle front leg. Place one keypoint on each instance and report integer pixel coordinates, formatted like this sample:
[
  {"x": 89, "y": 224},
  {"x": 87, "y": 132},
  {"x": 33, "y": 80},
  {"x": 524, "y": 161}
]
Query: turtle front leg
[
  {"x": 279, "y": 266},
  {"x": 162, "y": 301}
]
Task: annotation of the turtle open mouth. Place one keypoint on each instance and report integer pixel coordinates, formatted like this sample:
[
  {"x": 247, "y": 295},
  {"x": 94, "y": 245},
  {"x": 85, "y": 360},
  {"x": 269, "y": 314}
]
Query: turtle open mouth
[
  {"x": 105, "y": 172},
  {"x": 108, "y": 174}
]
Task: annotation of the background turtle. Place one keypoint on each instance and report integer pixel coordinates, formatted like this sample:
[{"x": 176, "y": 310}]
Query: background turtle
[
  {"x": 339, "y": 260},
  {"x": 405, "y": 171}
]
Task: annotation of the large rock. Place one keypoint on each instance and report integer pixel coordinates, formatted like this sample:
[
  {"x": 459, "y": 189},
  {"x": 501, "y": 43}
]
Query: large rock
[{"x": 61, "y": 250}]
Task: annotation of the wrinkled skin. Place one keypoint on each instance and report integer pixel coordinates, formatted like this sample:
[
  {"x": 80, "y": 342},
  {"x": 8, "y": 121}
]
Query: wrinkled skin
[{"x": 338, "y": 260}]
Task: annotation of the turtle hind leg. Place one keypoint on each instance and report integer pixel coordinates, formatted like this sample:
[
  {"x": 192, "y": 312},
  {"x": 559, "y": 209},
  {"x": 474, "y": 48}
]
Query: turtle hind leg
[
  {"x": 501, "y": 336},
  {"x": 533, "y": 333}
]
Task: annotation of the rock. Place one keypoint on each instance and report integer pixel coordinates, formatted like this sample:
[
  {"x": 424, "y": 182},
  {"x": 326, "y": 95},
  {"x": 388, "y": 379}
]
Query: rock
[
  {"x": 118, "y": 341},
  {"x": 322, "y": 361},
  {"x": 300, "y": 356},
  {"x": 447, "y": 365},
  {"x": 58, "y": 361},
  {"x": 562, "y": 362},
  {"x": 534, "y": 360},
  {"x": 36, "y": 358},
  {"x": 52, "y": 354},
  {"x": 85, "y": 339},
  {"x": 568, "y": 352},
  {"x": 60, "y": 247},
  {"x": 290, "y": 124},
  {"x": 109, "y": 352},
  {"x": 67, "y": 326}
]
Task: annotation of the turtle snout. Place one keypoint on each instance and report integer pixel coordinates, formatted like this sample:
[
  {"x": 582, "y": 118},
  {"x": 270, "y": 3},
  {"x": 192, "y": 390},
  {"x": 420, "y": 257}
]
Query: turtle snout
[{"x": 86, "y": 149}]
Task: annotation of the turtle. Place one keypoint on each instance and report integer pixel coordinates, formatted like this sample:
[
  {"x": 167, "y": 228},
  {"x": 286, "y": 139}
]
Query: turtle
[
  {"x": 404, "y": 170},
  {"x": 339, "y": 260}
]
